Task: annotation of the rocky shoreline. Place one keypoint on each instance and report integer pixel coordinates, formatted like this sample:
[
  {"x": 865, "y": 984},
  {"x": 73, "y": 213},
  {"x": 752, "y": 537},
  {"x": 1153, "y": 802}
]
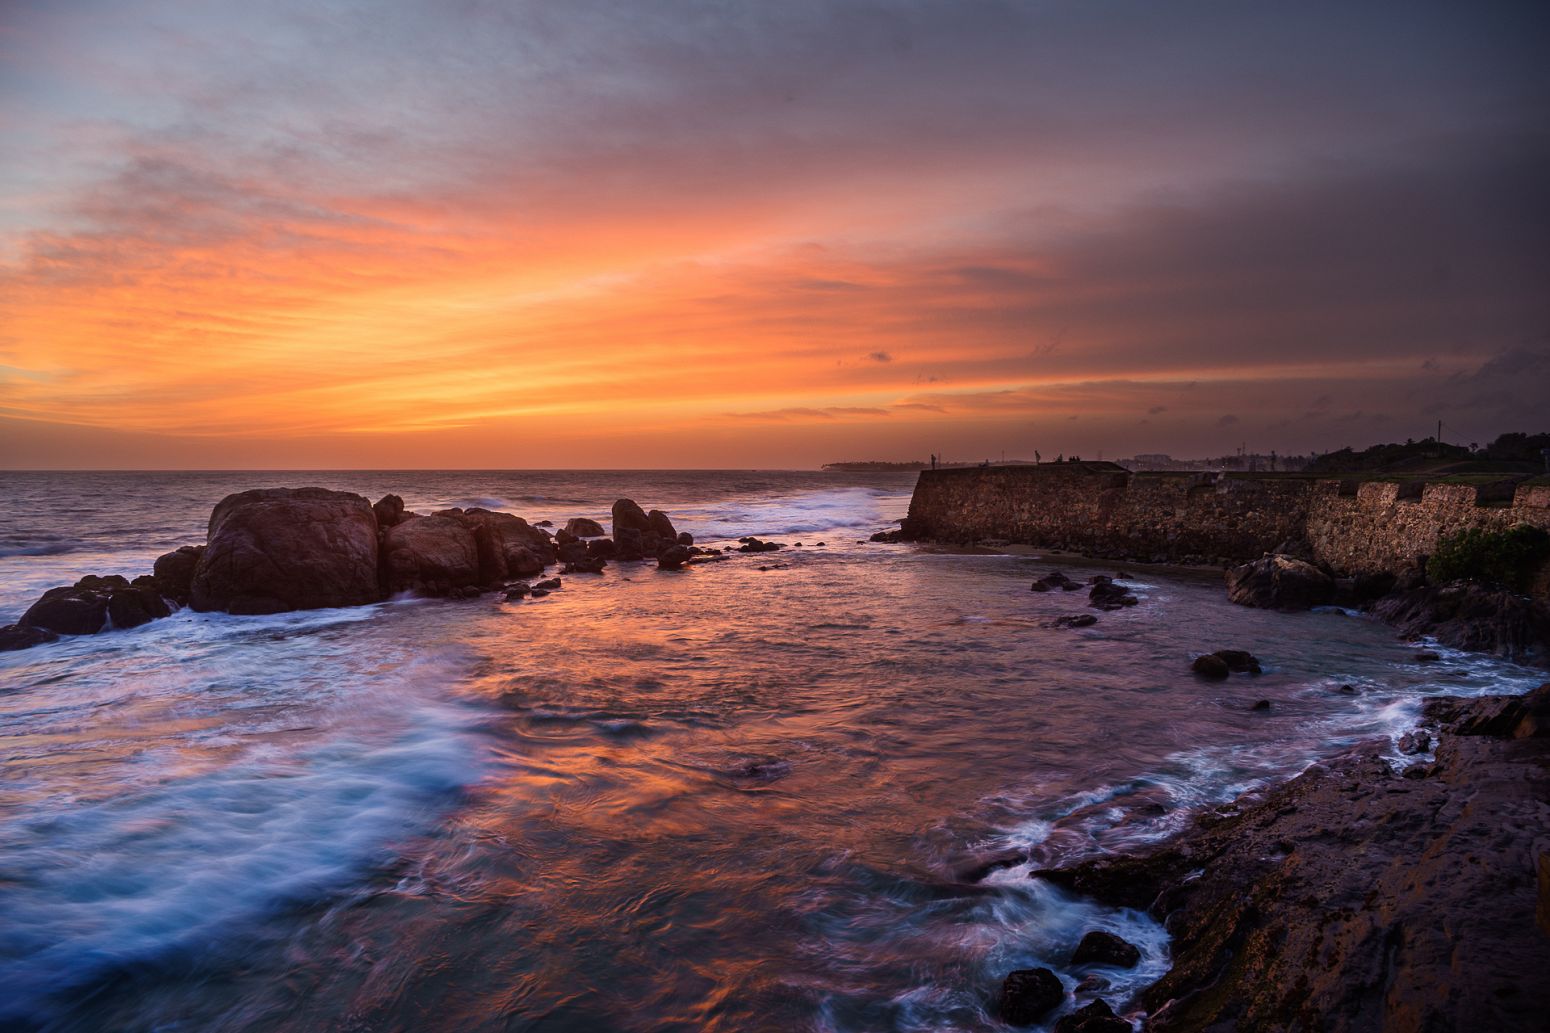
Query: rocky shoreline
[
  {"x": 273, "y": 550},
  {"x": 1358, "y": 897}
]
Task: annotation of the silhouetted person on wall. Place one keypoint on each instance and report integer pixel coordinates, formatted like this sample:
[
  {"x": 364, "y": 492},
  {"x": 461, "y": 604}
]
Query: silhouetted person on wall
[{"x": 933, "y": 460}]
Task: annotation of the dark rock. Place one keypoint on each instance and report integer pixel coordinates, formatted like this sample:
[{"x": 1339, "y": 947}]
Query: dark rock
[
  {"x": 977, "y": 869},
  {"x": 1239, "y": 661},
  {"x": 662, "y": 526},
  {"x": 1352, "y": 898},
  {"x": 174, "y": 572},
  {"x": 889, "y": 537},
  {"x": 518, "y": 591},
  {"x": 564, "y": 538},
  {"x": 23, "y": 636},
  {"x": 1091, "y": 983},
  {"x": 755, "y": 545},
  {"x": 687, "y": 540},
  {"x": 70, "y": 610},
  {"x": 1028, "y": 995},
  {"x": 1347, "y": 690},
  {"x": 1465, "y": 615},
  {"x": 543, "y": 523},
  {"x": 574, "y": 551},
  {"x": 673, "y": 558},
  {"x": 585, "y": 565},
  {"x": 629, "y": 516},
  {"x": 1211, "y": 667},
  {"x": 1427, "y": 656},
  {"x": 1096, "y": 1017},
  {"x": 389, "y": 510},
  {"x": 302, "y": 548},
  {"x": 630, "y": 545},
  {"x": 434, "y": 555},
  {"x": 1279, "y": 583},
  {"x": 1104, "y": 948},
  {"x": 539, "y": 593},
  {"x": 1106, "y": 595},
  {"x": 602, "y": 548},
  {"x": 1414, "y": 742},
  {"x": 547, "y": 585},
  {"x": 1263, "y": 704},
  {"x": 1080, "y": 620},
  {"x": 582, "y": 527},
  {"x": 1505, "y": 717},
  {"x": 136, "y": 605}
]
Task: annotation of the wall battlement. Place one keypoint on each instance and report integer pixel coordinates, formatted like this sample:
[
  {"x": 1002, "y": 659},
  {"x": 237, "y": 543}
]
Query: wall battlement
[{"x": 1101, "y": 509}]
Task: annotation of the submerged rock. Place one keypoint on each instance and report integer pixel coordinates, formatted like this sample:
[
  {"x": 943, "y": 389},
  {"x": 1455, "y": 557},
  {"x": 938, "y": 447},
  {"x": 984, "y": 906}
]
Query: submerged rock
[
  {"x": 1279, "y": 583},
  {"x": 23, "y": 636},
  {"x": 673, "y": 558},
  {"x": 1028, "y": 995},
  {"x": 1096, "y": 1017},
  {"x": 1080, "y": 620},
  {"x": 277, "y": 549},
  {"x": 755, "y": 545},
  {"x": 1212, "y": 667},
  {"x": 1106, "y": 595},
  {"x": 1099, "y": 947}
]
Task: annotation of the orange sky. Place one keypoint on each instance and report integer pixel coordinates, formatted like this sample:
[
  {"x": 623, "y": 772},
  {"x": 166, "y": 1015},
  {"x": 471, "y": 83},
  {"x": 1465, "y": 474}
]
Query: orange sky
[{"x": 283, "y": 241}]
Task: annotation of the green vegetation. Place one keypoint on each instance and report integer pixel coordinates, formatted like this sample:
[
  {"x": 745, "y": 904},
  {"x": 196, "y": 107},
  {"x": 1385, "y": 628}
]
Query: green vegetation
[
  {"x": 1508, "y": 558},
  {"x": 1513, "y": 451}
]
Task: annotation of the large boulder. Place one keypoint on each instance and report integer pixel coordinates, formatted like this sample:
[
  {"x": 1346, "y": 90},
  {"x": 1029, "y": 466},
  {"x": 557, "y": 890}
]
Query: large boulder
[
  {"x": 1029, "y": 994},
  {"x": 433, "y": 555},
  {"x": 628, "y": 516},
  {"x": 275, "y": 549},
  {"x": 1280, "y": 583},
  {"x": 662, "y": 525},
  {"x": 174, "y": 572},
  {"x": 582, "y": 527},
  {"x": 508, "y": 546},
  {"x": 389, "y": 510}
]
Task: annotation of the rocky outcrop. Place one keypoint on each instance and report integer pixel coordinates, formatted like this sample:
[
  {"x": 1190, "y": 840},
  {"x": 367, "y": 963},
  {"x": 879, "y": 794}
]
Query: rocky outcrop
[
  {"x": 276, "y": 549},
  {"x": 582, "y": 527},
  {"x": 389, "y": 510},
  {"x": 432, "y": 555},
  {"x": 508, "y": 546},
  {"x": 174, "y": 572},
  {"x": 628, "y": 516},
  {"x": 1356, "y": 898},
  {"x": 1466, "y": 615},
  {"x": 1280, "y": 582},
  {"x": 662, "y": 526}
]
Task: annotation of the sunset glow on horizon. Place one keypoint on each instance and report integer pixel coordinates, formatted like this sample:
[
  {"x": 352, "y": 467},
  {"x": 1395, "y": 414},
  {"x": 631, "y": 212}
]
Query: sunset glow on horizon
[{"x": 600, "y": 235}]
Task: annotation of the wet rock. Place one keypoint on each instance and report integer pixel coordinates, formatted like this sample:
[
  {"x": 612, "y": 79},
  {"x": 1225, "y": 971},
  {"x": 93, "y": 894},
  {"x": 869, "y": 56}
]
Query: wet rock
[
  {"x": 1507, "y": 717},
  {"x": 574, "y": 551},
  {"x": 1427, "y": 656},
  {"x": 435, "y": 555},
  {"x": 1100, "y": 947},
  {"x": 174, "y": 572},
  {"x": 547, "y": 585},
  {"x": 977, "y": 869},
  {"x": 582, "y": 527},
  {"x": 520, "y": 590},
  {"x": 1055, "y": 580},
  {"x": 585, "y": 565},
  {"x": 1211, "y": 667},
  {"x": 23, "y": 636},
  {"x": 888, "y": 537},
  {"x": 1096, "y": 1017},
  {"x": 755, "y": 545},
  {"x": 136, "y": 605},
  {"x": 1279, "y": 583},
  {"x": 602, "y": 548},
  {"x": 1239, "y": 661},
  {"x": 564, "y": 538},
  {"x": 1352, "y": 898},
  {"x": 1080, "y": 620},
  {"x": 686, "y": 539},
  {"x": 1106, "y": 595},
  {"x": 1263, "y": 704},
  {"x": 628, "y": 516},
  {"x": 1028, "y": 995},
  {"x": 630, "y": 545},
  {"x": 673, "y": 558},
  {"x": 1467, "y": 615},
  {"x": 662, "y": 526},
  {"x": 1347, "y": 690},
  {"x": 289, "y": 549},
  {"x": 1414, "y": 742},
  {"x": 389, "y": 510},
  {"x": 539, "y": 593},
  {"x": 507, "y": 545},
  {"x": 70, "y": 610}
]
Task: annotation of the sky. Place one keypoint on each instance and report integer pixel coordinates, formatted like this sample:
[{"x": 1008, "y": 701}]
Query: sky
[{"x": 589, "y": 234}]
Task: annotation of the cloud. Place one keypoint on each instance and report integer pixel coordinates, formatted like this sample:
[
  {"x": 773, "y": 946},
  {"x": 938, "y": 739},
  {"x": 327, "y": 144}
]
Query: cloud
[
  {"x": 799, "y": 413},
  {"x": 879, "y": 356}
]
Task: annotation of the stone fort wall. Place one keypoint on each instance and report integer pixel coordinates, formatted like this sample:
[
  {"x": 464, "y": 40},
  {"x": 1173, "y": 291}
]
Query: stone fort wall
[{"x": 1101, "y": 509}]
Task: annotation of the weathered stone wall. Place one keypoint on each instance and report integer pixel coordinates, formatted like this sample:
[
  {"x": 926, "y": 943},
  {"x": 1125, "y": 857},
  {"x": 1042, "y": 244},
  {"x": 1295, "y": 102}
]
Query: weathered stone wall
[
  {"x": 1383, "y": 526},
  {"x": 1103, "y": 510}
]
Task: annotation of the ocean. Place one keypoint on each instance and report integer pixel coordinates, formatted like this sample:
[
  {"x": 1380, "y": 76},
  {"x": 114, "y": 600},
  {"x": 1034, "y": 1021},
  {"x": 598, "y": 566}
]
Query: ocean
[{"x": 738, "y": 797}]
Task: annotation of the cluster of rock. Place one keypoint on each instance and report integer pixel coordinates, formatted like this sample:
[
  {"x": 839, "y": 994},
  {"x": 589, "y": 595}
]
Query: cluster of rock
[
  {"x": 1104, "y": 592},
  {"x": 1462, "y": 614},
  {"x": 1356, "y": 896},
  {"x": 1223, "y": 663},
  {"x": 273, "y": 550},
  {"x": 1029, "y": 995}
]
